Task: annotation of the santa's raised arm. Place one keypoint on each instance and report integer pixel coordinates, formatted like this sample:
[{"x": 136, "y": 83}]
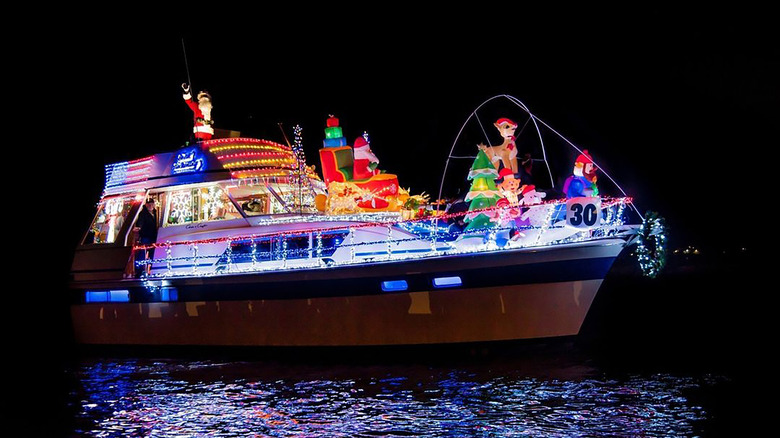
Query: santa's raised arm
[{"x": 201, "y": 111}]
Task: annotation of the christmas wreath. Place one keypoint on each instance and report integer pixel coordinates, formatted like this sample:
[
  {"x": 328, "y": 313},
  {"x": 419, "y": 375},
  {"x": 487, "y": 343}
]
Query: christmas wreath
[{"x": 651, "y": 244}]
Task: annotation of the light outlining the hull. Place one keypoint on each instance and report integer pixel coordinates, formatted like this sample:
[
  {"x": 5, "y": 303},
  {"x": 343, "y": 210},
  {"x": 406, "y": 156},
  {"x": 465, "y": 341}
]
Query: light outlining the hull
[
  {"x": 391, "y": 218},
  {"x": 312, "y": 257}
]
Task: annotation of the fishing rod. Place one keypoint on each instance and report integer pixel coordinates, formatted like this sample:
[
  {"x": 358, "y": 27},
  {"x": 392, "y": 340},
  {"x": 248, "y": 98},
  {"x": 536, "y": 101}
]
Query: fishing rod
[{"x": 186, "y": 65}]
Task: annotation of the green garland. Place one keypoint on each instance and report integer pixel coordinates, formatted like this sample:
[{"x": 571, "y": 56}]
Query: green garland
[{"x": 651, "y": 244}]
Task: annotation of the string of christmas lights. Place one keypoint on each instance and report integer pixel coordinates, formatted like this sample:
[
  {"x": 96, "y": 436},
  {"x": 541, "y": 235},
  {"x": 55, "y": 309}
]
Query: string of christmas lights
[
  {"x": 251, "y": 154},
  {"x": 261, "y": 173},
  {"x": 488, "y": 244},
  {"x": 606, "y": 203},
  {"x": 128, "y": 172},
  {"x": 220, "y": 144},
  {"x": 651, "y": 244},
  {"x": 302, "y": 172},
  {"x": 269, "y": 162}
]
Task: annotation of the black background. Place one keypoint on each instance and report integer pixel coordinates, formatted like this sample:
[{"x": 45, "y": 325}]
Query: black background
[{"x": 681, "y": 106}]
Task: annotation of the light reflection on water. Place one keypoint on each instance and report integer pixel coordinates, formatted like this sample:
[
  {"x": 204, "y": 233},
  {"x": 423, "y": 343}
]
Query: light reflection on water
[{"x": 180, "y": 397}]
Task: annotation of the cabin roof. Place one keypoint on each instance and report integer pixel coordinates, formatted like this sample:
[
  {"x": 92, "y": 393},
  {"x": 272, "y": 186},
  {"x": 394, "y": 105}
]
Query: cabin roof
[{"x": 217, "y": 159}]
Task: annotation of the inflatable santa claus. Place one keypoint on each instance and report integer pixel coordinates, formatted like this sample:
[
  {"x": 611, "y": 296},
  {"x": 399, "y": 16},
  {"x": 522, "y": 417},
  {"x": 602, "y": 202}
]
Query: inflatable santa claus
[
  {"x": 201, "y": 111},
  {"x": 365, "y": 162}
]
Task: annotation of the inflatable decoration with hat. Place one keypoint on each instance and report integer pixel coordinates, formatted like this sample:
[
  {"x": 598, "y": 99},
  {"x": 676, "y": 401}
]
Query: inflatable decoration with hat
[
  {"x": 354, "y": 182},
  {"x": 201, "y": 113},
  {"x": 505, "y": 154},
  {"x": 536, "y": 214},
  {"x": 582, "y": 182},
  {"x": 508, "y": 186},
  {"x": 365, "y": 162}
]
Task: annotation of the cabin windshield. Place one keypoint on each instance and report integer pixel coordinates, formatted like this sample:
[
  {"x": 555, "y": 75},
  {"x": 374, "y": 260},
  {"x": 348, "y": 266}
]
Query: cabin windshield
[
  {"x": 198, "y": 204},
  {"x": 259, "y": 199},
  {"x": 111, "y": 215}
]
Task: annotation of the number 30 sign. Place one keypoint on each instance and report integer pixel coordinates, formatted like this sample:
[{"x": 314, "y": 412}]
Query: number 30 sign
[{"x": 583, "y": 212}]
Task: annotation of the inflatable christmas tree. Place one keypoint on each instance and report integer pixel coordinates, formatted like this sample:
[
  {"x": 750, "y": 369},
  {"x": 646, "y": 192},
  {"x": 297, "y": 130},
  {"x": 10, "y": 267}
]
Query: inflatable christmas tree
[{"x": 483, "y": 192}]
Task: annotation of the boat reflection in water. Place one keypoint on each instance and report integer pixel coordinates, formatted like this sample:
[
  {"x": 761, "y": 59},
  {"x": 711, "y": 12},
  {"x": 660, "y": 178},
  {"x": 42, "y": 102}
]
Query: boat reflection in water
[{"x": 132, "y": 397}]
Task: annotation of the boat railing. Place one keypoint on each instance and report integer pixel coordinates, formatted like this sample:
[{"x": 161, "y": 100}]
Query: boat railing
[{"x": 386, "y": 242}]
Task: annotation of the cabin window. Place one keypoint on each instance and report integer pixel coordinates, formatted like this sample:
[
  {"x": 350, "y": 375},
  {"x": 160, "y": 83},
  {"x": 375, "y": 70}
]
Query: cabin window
[
  {"x": 276, "y": 207},
  {"x": 254, "y": 205},
  {"x": 263, "y": 199},
  {"x": 297, "y": 247},
  {"x": 330, "y": 241},
  {"x": 111, "y": 215},
  {"x": 201, "y": 204},
  {"x": 273, "y": 247},
  {"x": 260, "y": 204}
]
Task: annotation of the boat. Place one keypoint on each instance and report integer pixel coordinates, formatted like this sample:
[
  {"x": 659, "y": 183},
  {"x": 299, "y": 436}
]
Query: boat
[{"x": 254, "y": 248}]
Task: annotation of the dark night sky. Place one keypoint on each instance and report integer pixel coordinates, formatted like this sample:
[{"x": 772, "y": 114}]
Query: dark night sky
[{"x": 679, "y": 106}]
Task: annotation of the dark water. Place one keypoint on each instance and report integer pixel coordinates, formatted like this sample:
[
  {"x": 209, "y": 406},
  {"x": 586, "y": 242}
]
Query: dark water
[
  {"x": 682, "y": 355},
  {"x": 550, "y": 395}
]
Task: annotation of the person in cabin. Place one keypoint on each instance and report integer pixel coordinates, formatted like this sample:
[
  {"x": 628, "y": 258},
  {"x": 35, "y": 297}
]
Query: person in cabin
[
  {"x": 201, "y": 110},
  {"x": 146, "y": 227}
]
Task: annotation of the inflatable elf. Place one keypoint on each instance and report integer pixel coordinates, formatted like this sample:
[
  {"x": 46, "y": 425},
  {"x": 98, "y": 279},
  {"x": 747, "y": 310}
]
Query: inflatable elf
[
  {"x": 508, "y": 186},
  {"x": 582, "y": 182}
]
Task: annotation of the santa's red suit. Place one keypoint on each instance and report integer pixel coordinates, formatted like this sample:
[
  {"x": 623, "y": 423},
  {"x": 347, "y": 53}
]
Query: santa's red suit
[
  {"x": 201, "y": 111},
  {"x": 363, "y": 157}
]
